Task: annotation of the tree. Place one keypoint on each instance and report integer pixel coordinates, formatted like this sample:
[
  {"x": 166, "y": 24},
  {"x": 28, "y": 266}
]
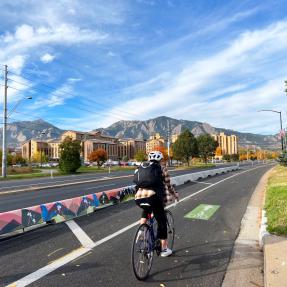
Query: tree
[
  {"x": 226, "y": 157},
  {"x": 99, "y": 156},
  {"x": 218, "y": 151},
  {"x": 282, "y": 159},
  {"x": 163, "y": 150},
  {"x": 206, "y": 146},
  {"x": 39, "y": 157},
  {"x": 70, "y": 159},
  {"x": 234, "y": 157},
  {"x": 140, "y": 155},
  {"x": 125, "y": 158},
  {"x": 185, "y": 146}
]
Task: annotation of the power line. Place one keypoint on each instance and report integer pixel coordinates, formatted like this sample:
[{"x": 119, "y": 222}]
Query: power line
[{"x": 64, "y": 92}]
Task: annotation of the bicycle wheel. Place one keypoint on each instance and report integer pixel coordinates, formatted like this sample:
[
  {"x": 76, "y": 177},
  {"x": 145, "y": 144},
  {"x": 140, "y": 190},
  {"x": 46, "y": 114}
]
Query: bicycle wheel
[
  {"x": 142, "y": 252},
  {"x": 170, "y": 229}
]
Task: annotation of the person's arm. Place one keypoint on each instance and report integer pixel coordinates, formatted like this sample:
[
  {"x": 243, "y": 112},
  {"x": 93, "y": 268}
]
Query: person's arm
[{"x": 168, "y": 183}]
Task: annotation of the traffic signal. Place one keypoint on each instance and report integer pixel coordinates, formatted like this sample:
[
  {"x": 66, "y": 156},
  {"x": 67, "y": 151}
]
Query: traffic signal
[{"x": 285, "y": 86}]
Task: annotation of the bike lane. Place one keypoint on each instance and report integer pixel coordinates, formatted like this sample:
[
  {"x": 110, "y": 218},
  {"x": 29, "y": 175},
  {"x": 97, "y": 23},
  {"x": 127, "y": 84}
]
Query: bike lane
[{"x": 202, "y": 247}]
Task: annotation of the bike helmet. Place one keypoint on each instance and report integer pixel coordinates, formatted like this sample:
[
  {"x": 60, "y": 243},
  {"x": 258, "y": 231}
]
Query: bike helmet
[{"x": 155, "y": 155}]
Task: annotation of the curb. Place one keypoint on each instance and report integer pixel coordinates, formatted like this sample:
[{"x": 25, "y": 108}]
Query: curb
[
  {"x": 246, "y": 262},
  {"x": 275, "y": 252}
]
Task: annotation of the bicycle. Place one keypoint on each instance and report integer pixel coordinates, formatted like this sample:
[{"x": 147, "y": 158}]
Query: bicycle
[{"x": 145, "y": 243}]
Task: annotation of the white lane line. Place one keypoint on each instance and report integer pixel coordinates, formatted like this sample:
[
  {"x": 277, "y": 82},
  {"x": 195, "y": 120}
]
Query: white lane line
[
  {"x": 40, "y": 273},
  {"x": 81, "y": 235},
  {"x": 79, "y": 252},
  {"x": 195, "y": 181},
  {"x": 98, "y": 186}
]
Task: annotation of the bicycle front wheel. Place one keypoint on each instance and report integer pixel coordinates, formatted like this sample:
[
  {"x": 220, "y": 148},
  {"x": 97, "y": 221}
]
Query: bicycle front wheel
[
  {"x": 142, "y": 252},
  {"x": 170, "y": 229}
]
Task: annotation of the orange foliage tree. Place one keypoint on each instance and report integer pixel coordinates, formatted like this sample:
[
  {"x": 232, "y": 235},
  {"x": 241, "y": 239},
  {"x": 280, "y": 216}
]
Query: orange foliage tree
[
  {"x": 218, "y": 151},
  {"x": 99, "y": 156},
  {"x": 163, "y": 150}
]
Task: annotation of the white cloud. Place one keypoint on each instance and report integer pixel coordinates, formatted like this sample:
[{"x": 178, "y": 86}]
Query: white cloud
[
  {"x": 189, "y": 86},
  {"x": 47, "y": 58},
  {"x": 57, "y": 97}
]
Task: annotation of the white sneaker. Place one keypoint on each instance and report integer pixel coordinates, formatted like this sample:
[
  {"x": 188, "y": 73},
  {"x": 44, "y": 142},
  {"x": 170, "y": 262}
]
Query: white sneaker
[{"x": 166, "y": 252}]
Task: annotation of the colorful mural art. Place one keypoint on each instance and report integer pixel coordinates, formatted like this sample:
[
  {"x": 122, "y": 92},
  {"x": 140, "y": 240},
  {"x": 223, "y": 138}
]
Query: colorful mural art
[{"x": 61, "y": 210}]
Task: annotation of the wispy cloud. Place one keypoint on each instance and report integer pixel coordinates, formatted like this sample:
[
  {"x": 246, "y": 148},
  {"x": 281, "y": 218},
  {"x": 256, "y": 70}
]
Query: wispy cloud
[
  {"x": 59, "y": 96},
  {"x": 47, "y": 58},
  {"x": 243, "y": 52}
]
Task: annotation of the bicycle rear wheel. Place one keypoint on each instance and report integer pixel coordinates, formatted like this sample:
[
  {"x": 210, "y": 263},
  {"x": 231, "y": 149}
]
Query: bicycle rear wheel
[
  {"x": 170, "y": 229},
  {"x": 142, "y": 252}
]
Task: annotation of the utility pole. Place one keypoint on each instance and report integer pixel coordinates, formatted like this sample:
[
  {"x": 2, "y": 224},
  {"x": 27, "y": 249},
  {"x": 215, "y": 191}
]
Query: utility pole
[
  {"x": 4, "y": 142},
  {"x": 168, "y": 142}
]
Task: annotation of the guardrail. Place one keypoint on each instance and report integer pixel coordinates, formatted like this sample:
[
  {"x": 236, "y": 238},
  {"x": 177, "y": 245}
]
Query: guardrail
[{"x": 66, "y": 209}]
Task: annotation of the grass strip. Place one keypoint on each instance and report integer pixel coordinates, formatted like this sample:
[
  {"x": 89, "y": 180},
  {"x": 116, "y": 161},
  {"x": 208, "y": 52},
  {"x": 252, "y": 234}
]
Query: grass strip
[{"x": 276, "y": 201}]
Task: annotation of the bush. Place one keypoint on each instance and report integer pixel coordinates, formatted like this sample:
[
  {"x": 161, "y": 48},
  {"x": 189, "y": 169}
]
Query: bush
[{"x": 282, "y": 159}]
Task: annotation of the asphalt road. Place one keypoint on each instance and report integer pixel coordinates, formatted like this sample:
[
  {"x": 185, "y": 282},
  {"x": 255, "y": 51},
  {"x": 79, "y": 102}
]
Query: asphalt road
[
  {"x": 30, "y": 198},
  {"x": 201, "y": 253}
]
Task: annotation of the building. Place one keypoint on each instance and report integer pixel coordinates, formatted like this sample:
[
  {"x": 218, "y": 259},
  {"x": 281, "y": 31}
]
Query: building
[
  {"x": 228, "y": 144},
  {"x": 154, "y": 141},
  {"x": 116, "y": 148},
  {"x": 174, "y": 138},
  {"x": 129, "y": 147},
  {"x": 49, "y": 148},
  {"x": 93, "y": 144}
]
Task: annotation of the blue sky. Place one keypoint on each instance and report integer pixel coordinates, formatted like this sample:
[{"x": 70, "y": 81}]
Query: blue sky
[{"x": 88, "y": 64}]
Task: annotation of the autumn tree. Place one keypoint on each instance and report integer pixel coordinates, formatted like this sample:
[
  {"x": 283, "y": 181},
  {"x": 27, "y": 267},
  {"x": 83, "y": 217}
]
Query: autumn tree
[
  {"x": 99, "y": 156},
  {"x": 185, "y": 146},
  {"x": 39, "y": 157},
  {"x": 206, "y": 146},
  {"x": 140, "y": 156},
  {"x": 163, "y": 150},
  {"x": 70, "y": 159},
  {"x": 218, "y": 151}
]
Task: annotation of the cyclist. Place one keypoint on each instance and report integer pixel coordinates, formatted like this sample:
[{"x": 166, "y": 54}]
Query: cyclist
[{"x": 153, "y": 192}]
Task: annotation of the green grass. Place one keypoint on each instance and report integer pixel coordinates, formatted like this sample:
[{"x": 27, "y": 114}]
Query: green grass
[{"x": 276, "y": 201}]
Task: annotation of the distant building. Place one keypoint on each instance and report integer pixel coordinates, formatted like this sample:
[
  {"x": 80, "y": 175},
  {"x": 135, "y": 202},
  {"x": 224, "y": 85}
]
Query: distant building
[
  {"x": 116, "y": 148},
  {"x": 129, "y": 147},
  {"x": 49, "y": 148},
  {"x": 154, "y": 141},
  {"x": 228, "y": 144},
  {"x": 93, "y": 144},
  {"x": 174, "y": 138}
]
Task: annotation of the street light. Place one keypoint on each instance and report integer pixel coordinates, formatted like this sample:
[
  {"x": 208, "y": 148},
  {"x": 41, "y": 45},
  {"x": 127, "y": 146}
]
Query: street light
[
  {"x": 17, "y": 104},
  {"x": 278, "y": 112},
  {"x": 5, "y": 117}
]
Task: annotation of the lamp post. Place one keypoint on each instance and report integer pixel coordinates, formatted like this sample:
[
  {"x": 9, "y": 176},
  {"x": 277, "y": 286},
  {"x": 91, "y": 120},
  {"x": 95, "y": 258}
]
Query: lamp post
[
  {"x": 5, "y": 117},
  {"x": 278, "y": 112}
]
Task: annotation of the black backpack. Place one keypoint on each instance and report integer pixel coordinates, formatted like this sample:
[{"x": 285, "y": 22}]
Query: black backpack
[{"x": 148, "y": 176}]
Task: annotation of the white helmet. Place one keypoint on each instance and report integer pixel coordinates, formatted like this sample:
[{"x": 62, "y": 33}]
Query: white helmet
[{"x": 155, "y": 155}]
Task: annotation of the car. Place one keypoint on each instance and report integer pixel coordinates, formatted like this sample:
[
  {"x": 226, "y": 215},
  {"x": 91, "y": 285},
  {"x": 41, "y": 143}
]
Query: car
[{"x": 16, "y": 165}]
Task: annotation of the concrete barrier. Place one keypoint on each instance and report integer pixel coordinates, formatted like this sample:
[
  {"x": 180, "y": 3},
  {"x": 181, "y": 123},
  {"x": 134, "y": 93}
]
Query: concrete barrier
[{"x": 63, "y": 210}]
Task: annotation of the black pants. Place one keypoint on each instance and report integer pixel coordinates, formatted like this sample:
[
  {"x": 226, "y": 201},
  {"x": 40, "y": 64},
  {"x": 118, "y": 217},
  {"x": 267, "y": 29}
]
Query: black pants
[{"x": 156, "y": 207}]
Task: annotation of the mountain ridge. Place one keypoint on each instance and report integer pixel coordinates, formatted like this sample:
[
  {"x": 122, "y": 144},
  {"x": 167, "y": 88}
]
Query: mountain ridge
[{"x": 21, "y": 131}]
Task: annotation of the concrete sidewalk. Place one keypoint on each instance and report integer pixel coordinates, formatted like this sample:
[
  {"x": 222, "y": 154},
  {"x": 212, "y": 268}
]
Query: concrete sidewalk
[
  {"x": 249, "y": 266},
  {"x": 275, "y": 261}
]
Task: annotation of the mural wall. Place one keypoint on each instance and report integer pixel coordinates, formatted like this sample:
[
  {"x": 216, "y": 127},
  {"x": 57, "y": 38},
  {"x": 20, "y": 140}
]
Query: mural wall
[{"x": 61, "y": 210}]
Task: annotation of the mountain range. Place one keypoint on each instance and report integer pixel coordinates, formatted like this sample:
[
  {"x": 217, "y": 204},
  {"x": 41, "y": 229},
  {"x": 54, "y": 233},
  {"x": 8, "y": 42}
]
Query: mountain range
[{"x": 18, "y": 132}]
